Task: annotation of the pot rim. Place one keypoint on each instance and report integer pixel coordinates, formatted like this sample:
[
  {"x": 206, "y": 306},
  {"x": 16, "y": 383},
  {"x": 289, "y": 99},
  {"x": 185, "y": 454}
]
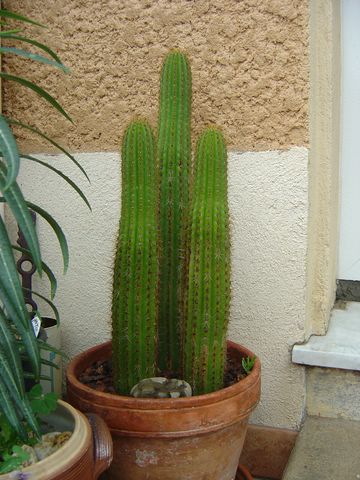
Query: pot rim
[{"x": 112, "y": 399}]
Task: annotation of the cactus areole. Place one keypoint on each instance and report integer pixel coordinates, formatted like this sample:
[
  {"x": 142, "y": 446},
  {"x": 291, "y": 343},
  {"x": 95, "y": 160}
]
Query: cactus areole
[{"x": 171, "y": 288}]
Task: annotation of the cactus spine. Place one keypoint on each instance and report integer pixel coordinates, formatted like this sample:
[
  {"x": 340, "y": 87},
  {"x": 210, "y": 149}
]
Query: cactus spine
[
  {"x": 135, "y": 283},
  {"x": 174, "y": 151},
  {"x": 208, "y": 295}
]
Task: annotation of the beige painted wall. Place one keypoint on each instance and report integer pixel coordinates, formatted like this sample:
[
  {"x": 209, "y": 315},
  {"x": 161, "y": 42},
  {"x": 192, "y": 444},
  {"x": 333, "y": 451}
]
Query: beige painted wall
[{"x": 249, "y": 57}]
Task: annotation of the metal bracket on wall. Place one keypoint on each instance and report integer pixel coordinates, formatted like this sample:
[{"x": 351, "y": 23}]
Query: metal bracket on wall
[{"x": 26, "y": 268}]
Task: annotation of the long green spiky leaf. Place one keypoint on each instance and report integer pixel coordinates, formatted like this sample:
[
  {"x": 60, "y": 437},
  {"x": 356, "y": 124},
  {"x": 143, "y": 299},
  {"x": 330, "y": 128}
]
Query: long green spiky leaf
[
  {"x": 12, "y": 35},
  {"x": 9, "y": 151},
  {"x": 48, "y": 363},
  {"x": 7, "y": 374},
  {"x": 42, "y": 377},
  {"x": 13, "y": 31},
  {"x": 25, "y": 330},
  {"x": 7, "y": 406},
  {"x": 57, "y": 230},
  {"x": 31, "y": 346},
  {"x": 21, "y": 18},
  {"x": 28, "y": 338},
  {"x": 45, "y": 346},
  {"x": 61, "y": 174},
  {"x": 47, "y": 270},
  {"x": 13, "y": 300},
  {"x": 11, "y": 294},
  {"x": 49, "y": 302},
  {"x": 45, "y": 137},
  {"x": 12, "y": 397},
  {"x": 17, "y": 204},
  {"x": 40, "y": 91},
  {"x": 8, "y": 343},
  {"x": 33, "y": 56},
  {"x": 25, "y": 408}
]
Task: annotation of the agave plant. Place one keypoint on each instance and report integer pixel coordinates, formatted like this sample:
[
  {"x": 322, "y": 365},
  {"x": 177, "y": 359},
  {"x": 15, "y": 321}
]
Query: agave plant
[{"x": 18, "y": 342}]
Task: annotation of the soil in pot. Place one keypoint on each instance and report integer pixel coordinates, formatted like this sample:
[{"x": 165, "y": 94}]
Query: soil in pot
[{"x": 99, "y": 375}]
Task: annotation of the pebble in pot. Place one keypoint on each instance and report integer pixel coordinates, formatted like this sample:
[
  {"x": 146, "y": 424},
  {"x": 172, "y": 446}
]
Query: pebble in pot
[{"x": 161, "y": 387}]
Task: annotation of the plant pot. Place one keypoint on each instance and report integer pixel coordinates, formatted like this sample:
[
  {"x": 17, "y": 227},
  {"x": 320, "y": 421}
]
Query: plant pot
[
  {"x": 86, "y": 454},
  {"x": 192, "y": 438}
]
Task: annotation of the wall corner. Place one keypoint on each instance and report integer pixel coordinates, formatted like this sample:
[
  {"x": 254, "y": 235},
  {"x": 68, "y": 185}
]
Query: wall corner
[{"x": 323, "y": 163}]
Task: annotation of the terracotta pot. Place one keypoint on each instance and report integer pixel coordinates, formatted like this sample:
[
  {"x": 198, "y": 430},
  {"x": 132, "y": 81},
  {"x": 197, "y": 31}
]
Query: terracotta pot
[
  {"x": 192, "y": 438},
  {"x": 84, "y": 456}
]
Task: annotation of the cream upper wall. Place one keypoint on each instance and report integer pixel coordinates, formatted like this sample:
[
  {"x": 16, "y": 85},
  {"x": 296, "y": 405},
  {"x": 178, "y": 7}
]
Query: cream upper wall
[{"x": 249, "y": 61}]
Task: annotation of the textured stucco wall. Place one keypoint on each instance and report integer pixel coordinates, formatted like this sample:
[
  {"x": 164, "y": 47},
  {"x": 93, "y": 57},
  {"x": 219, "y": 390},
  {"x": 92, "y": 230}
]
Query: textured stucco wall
[
  {"x": 268, "y": 205},
  {"x": 249, "y": 58}
]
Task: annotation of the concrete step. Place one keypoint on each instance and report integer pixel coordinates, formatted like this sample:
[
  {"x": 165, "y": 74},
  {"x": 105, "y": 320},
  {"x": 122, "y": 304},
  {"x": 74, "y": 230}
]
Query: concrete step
[
  {"x": 326, "y": 449},
  {"x": 333, "y": 375},
  {"x": 332, "y": 392}
]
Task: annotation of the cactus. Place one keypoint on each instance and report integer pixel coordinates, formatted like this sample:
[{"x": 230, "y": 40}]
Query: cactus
[
  {"x": 171, "y": 290},
  {"x": 174, "y": 153},
  {"x": 208, "y": 295},
  {"x": 135, "y": 283}
]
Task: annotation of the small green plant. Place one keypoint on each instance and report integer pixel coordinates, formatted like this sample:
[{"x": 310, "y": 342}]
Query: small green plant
[
  {"x": 186, "y": 333},
  {"x": 248, "y": 364},
  {"x": 12, "y": 455},
  {"x": 13, "y": 459}
]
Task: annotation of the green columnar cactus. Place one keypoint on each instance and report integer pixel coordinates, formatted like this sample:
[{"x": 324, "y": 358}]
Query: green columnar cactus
[
  {"x": 173, "y": 262},
  {"x": 208, "y": 295},
  {"x": 135, "y": 283},
  {"x": 174, "y": 152}
]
